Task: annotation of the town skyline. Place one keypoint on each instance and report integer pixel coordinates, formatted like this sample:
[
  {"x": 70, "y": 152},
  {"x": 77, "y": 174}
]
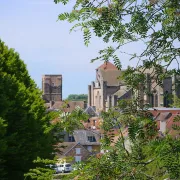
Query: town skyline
[{"x": 47, "y": 47}]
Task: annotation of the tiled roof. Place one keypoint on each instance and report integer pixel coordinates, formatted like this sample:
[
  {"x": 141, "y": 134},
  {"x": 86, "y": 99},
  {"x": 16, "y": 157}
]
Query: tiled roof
[
  {"x": 117, "y": 135},
  {"x": 69, "y": 106},
  {"x": 107, "y": 65},
  {"x": 65, "y": 147},
  {"x": 170, "y": 123},
  {"x": 168, "y": 117},
  {"x": 155, "y": 111},
  {"x": 89, "y": 124},
  {"x": 163, "y": 116}
]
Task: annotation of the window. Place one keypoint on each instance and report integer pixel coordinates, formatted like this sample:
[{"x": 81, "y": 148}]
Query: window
[
  {"x": 71, "y": 138},
  {"x": 91, "y": 139},
  {"x": 89, "y": 148},
  {"x": 78, "y": 158},
  {"x": 68, "y": 165},
  {"x": 78, "y": 150},
  {"x": 94, "y": 122}
]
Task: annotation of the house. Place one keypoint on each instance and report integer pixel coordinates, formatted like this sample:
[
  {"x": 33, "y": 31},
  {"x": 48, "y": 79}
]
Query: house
[
  {"x": 101, "y": 92},
  {"x": 73, "y": 152},
  {"x": 80, "y": 145},
  {"x": 165, "y": 120}
]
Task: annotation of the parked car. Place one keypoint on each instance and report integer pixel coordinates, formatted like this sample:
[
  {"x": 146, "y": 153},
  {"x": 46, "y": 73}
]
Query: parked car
[
  {"x": 66, "y": 167},
  {"x": 54, "y": 167}
]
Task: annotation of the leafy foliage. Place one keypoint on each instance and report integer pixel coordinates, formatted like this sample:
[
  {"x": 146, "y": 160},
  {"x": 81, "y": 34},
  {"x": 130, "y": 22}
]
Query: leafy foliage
[
  {"x": 136, "y": 151},
  {"x": 61, "y": 122},
  {"x": 25, "y": 127},
  {"x": 3, "y": 147},
  {"x": 77, "y": 97},
  {"x": 42, "y": 171},
  {"x": 140, "y": 154},
  {"x": 155, "y": 23},
  {"x": 176, "y": 102}
]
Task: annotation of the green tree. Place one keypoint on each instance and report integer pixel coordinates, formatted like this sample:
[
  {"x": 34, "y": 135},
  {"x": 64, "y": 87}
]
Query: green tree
[
  {"x": 77, "y": 97},
  {"x": 153, "y": 25},
  {"x": 176, "y": 102},
  {"x": 28, "y": 130},
  {"x": 140, "y": 155},
  {"x": 3, "y": 147},
  {"x": 67, "y": 122}
]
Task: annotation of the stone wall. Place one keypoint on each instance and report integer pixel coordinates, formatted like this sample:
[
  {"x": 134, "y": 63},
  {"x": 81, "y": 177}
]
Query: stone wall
[{"x": 52, "y": 87}]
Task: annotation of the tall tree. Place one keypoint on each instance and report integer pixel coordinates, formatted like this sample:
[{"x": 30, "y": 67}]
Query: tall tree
[
  {"x": 155, "y": 23},
  {"x": 3, "y": 147},
  {"x": 28, "y": 133},
  {"x": 77, "y": 97}
]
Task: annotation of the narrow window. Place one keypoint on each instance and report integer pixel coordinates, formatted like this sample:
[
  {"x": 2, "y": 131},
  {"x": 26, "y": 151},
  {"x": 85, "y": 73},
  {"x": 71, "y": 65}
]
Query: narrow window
[
  {"x": 71, "y": 138},
  {"x": 89, "y": 148},
  {"x": 78, "y": 150},
  {"x": 78, "y": 158},
  {"x": 94, "y": 122}
]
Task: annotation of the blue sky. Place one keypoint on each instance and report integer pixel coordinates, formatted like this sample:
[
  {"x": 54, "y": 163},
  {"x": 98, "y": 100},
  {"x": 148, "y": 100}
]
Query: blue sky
[{"x": 47, "y": 47}]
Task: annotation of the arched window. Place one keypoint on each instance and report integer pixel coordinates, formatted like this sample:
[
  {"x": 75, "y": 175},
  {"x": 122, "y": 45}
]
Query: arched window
[
  {"x": 166, "y": 100},
  {"x": 156, "y": 100}
]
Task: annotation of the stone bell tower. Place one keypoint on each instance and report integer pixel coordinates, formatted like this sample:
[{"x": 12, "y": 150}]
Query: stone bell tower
[{"x": 52, "y": 87}]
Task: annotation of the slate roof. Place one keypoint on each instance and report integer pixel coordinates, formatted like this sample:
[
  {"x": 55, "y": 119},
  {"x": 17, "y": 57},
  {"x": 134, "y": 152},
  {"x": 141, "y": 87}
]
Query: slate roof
[
  {"x": 66, "y": 146},
  {"x": 81, "y": 136},
  {"x": 91, "y": 111}
]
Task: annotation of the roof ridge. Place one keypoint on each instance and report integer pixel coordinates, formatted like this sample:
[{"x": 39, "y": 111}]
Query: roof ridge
[{"x": 107, "y": 65}]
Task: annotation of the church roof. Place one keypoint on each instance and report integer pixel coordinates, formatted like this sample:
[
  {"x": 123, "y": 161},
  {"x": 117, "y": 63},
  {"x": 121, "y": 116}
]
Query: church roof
[
  {"x": 111, "y": 76},
  {"x": 107, "y": 65}
]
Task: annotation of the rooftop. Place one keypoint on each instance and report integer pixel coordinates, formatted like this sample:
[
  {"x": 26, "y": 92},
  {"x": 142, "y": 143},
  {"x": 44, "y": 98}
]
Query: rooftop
[{"x": 107, "y": 65}]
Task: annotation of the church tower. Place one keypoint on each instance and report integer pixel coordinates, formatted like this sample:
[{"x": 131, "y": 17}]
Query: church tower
[{"x": 52, "y": 87}]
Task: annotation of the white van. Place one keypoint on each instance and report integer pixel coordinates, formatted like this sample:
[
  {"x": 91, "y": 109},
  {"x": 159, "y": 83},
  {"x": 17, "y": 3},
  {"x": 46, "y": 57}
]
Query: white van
[{"x": 66, "y": 167}]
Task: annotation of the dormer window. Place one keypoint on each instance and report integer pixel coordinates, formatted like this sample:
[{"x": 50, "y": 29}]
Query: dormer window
[
  {"x": 71, "y": 138},
  {"x": 91, "y": 139}
]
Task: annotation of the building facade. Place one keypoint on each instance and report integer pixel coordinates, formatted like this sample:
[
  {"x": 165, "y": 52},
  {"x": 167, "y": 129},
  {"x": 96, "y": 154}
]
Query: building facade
[
  {"x": 108, "y": 88},
  {"x": 79, "y": 145},
  {"x": 52, "y": 87},
  {"x": 104, "y": 92}
]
